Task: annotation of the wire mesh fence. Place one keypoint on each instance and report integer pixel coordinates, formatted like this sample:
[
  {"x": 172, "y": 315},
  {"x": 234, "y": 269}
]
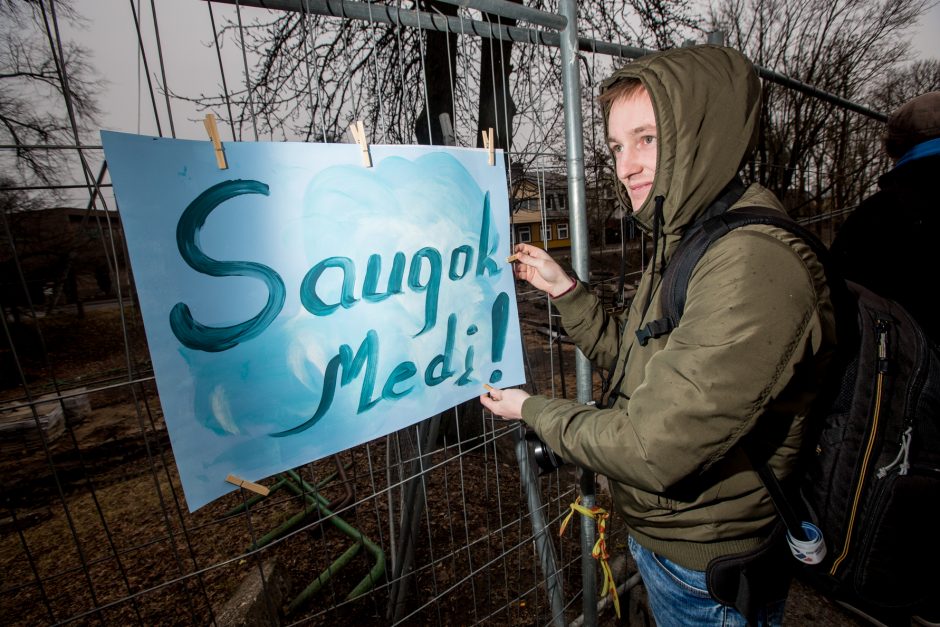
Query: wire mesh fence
[
  {"x": 441, "y": 523},
  {"x": 427, "y": 525},
  {"x": 96, "y": 528}
]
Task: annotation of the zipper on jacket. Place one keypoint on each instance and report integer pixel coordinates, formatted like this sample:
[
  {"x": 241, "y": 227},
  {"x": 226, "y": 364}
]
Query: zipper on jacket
[{"x": 881, "y": 327}]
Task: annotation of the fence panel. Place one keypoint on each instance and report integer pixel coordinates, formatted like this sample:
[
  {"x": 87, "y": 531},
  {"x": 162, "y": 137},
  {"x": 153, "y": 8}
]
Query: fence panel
[{"x": 446, "y": 522}]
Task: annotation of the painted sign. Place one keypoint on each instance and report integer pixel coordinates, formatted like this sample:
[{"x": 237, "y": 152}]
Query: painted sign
[{"x": 297, "y": 303}]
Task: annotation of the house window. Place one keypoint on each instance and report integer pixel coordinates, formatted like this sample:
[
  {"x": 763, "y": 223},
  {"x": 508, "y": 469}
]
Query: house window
[
  {"x": 547, "y": 233},
  {"x": 525, "y": 234},
  {"x": 563, "y": 230},
  {"x": 561, "y": 201}
]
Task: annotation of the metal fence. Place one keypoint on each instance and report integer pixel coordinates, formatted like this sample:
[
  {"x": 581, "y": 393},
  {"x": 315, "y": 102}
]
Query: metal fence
[{"x": 447, "y": 522}]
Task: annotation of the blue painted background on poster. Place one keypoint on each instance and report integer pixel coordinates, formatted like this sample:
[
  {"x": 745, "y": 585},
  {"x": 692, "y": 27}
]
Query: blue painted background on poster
[{"x": 298, "y": 303}]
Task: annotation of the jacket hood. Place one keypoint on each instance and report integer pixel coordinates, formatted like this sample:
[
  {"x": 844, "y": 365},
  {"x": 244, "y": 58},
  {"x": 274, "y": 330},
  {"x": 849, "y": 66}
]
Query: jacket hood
[{"x": 707, "y": 105}]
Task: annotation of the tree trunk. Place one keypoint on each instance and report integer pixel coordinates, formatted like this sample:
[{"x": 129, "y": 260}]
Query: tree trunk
[
  {"x": 440, "y": 65},
  {"x": 497, "y": 108}
]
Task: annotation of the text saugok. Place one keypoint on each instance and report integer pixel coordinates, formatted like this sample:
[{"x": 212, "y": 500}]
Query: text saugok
[{"x": 345, "y": 366}]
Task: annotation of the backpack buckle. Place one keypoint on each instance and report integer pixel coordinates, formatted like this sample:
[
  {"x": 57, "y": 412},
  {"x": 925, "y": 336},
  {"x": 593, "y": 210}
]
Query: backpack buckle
[{"x": 654, "y": 329}]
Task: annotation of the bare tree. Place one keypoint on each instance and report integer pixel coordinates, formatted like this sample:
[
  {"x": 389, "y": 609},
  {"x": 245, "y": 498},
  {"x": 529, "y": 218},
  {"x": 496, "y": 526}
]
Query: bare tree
[
  {"x": 46, "y": 89},
  {"x": 813, "y": 154},
  {"x": 655, "y": 24},
  {"x": 899, "y": 86},
  {"x": 315, "y": 74}
]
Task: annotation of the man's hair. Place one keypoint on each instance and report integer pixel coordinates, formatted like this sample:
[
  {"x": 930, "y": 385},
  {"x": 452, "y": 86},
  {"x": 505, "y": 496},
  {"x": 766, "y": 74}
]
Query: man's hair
[{"x": 623, "y": 89}]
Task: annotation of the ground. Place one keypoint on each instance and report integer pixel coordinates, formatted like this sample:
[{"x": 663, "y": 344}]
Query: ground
[{"x": 132, "y": 532}]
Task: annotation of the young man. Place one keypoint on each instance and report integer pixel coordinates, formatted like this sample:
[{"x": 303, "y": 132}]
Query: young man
[{"x": 740, "y": 369}]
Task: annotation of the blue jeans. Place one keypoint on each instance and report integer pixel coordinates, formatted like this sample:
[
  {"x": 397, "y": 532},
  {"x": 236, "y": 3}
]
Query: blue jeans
[{"x": 679, "y": 596}]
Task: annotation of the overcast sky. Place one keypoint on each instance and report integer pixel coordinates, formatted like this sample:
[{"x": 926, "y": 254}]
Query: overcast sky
[{"x": 191, "y": 65}]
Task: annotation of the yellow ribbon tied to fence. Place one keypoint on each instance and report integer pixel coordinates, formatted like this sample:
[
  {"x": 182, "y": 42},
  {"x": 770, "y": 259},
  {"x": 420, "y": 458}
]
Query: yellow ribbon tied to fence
[{"x": 599, "y": 552}]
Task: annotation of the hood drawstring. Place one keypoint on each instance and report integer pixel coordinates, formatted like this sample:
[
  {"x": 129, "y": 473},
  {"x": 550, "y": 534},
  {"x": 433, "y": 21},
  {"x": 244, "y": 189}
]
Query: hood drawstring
[
  {"x": 731, "y": 193},
  {"x": 658, "y": 264}
]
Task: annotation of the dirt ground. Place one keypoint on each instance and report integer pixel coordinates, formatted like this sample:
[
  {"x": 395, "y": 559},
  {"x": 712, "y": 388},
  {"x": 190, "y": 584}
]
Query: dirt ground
[
  {"x": 130, "y": 547},
  {"x": 97, "y": 515},
  {"x": 158, "y": 542},
  {"x": 139, "y": 525}
]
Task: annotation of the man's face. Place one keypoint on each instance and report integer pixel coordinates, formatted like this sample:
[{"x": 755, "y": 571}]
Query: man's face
[{"x": 631, "y": 136}]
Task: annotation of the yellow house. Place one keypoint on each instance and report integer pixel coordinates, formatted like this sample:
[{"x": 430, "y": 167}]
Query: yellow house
[{"x": 539, "y": 214}]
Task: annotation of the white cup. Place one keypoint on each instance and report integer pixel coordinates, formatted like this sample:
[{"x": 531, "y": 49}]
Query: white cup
[{"x": 812, "y": 550}]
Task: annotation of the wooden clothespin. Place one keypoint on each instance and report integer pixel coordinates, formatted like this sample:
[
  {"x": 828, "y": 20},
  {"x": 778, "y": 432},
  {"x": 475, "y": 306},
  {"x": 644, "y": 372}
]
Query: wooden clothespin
[
  {"x": 248, "y": 485},
  {"x": 213, "y": 131},
  {"x": 359, "y": 135},
  {"x": 489, "y": 145}
]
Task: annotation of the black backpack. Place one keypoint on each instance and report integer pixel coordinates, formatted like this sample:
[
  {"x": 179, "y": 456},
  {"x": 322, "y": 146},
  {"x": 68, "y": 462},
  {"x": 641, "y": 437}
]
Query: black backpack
[{"x": 870, "y": 473}]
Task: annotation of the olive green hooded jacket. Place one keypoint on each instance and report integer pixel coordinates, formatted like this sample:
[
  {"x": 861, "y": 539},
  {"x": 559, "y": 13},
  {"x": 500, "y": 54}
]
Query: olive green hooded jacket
[{"x": 743, "y": 363}]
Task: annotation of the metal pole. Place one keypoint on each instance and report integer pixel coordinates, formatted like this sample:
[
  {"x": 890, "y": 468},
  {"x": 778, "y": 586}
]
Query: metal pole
[
  {"x": 385, "y": 14},
  {"x": 574, "y": 153},
  {"x": 514, "y": 11},
  {"x": 795, "y": 85},
  {"x": 577, "y": 207},
  {"x": 543, "y": 544},
  {"x": 411, "y": 517}
]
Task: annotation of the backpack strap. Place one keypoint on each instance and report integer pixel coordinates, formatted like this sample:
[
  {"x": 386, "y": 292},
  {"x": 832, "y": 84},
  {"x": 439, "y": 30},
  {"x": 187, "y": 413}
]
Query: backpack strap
[
  {"x": 782, "y": 502},
  {"x": 673, "y": 298},
  {"x": 692, "y": 248}
]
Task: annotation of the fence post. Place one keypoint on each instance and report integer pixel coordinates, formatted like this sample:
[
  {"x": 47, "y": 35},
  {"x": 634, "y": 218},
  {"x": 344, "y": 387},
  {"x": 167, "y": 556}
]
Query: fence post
[
  {"x": 577, "y": 208},
  {"x": 543, "y": 543}
]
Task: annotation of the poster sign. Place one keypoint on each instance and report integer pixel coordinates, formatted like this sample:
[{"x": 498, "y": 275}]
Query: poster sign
[{"x": 297, "y": 304}]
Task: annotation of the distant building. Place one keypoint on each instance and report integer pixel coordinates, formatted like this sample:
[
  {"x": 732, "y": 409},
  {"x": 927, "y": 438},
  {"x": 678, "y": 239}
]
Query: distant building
[
  {"x": 539, "y": 209},
  {"x": 62, "y": 253}
]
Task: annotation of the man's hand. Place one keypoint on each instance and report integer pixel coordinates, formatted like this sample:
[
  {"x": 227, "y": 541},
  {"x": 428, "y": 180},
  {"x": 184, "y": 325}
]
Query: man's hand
[
  {"x": 538, "y": 268},
  {"x": 505, "y": 403}
]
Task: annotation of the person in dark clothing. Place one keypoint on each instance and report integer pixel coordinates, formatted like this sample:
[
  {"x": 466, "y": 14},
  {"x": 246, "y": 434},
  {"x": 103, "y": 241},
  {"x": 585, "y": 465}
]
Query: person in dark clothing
[{"x": 889, "y": 243}]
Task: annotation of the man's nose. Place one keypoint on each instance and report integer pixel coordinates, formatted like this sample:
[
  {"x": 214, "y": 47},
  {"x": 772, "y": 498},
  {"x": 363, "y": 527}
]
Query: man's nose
[{"x": 627, "y": 164}]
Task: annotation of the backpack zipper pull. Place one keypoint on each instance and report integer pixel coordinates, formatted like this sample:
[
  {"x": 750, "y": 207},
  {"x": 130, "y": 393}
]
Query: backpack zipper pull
[
  {"x": 882, "y": 328},
  {"x": 901, "y": 459}
]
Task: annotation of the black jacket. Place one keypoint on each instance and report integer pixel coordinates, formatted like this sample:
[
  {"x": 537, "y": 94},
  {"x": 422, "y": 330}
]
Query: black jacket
[{"x": 890, "y": 243}]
